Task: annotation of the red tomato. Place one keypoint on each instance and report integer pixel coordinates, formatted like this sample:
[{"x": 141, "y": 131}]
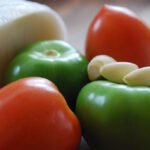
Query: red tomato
[
  {"x": 35, "y": 116},
  {"x": 117, "y": 32}
]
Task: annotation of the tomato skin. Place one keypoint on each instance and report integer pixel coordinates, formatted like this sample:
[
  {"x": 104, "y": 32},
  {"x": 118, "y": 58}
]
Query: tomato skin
[
  {"x": 118, "y": 32},
  {"x": 35, "y": 116}
]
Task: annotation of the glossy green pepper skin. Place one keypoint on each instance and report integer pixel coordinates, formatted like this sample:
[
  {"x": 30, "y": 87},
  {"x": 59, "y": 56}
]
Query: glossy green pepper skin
[
  {"x": 55, "y": 60},
  {"x": 115, "y": 116}
]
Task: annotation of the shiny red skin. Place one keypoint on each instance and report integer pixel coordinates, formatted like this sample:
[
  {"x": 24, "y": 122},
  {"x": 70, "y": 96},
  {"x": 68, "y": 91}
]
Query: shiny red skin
[
  {"x": 118, "y": 32},
  {"x": 35, "y": 116}
]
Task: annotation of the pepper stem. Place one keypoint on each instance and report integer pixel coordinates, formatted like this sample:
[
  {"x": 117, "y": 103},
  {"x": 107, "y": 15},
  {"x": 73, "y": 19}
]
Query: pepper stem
[{"x": 51, "y": 52}]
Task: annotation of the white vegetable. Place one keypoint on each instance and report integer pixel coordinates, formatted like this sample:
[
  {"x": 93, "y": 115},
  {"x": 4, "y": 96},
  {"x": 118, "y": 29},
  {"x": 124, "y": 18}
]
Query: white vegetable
[
  {"x": 116, "y": 71},
  {"x": 24, "y": 22},
  {"x": 139, "y": 77},
  {"x": 95, "y": 65}
]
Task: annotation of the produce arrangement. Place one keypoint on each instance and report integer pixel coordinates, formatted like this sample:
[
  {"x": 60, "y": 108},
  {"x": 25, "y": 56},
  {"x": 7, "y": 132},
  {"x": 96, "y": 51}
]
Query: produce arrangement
[
  {"x": 119, "y": 33},
  {"x": 111, "y": 111},
  {"x": 51, "y": 95},
  {"x": 21, "y": 23},
  {"x": 54, "y": 60}
]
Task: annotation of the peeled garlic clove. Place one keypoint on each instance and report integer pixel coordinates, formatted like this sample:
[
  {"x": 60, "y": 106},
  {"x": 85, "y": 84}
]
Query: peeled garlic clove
[
  {"x": 116, "y": 71},
  {"x": 139, "y": 77},
  {"x": 96, "y": 63},
  {"x": 24, "y": 22}
]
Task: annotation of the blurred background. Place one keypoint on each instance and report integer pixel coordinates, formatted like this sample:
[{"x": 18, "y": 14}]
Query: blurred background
[{"x": 78, "y": 14}]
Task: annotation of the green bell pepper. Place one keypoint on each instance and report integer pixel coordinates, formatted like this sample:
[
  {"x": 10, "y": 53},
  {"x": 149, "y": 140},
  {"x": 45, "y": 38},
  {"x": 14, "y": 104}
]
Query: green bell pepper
[
  {"x": 115, "y": 116},
  {"x": 55, "y": 60}
]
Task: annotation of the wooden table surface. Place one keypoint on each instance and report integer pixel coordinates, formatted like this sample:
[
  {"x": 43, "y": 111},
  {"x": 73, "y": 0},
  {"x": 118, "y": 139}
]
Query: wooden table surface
[{"x": 77, "y": 15}]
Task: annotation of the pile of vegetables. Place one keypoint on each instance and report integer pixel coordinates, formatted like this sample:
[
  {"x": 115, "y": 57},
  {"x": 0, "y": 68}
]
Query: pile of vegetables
[{"x": 51, "y": 94}]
